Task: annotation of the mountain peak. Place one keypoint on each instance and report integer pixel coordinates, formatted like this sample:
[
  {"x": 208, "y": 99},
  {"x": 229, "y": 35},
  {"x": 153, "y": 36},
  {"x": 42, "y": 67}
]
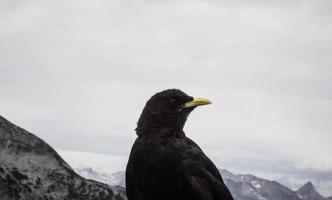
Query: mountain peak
[
  {"x": 309, "y": 192},
  {"x": 308, "y": 186}
]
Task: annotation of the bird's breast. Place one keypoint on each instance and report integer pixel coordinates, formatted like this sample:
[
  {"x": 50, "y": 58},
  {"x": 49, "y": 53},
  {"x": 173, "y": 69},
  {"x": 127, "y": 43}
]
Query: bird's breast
[{"x": 157, "y": 156}]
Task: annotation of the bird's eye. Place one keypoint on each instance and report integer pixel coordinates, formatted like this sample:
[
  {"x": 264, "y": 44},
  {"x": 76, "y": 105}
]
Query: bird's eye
[{"x": 172, "y": 100}]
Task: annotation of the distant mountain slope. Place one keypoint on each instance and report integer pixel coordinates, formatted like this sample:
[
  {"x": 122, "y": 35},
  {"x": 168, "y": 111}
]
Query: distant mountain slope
[
  {"x": 249, "y": 187},
  {"x": 31, "y": 169},
  {"x": 243, "y": 187}
]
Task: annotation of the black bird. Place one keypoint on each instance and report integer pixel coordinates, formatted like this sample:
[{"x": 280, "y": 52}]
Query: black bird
[{"x": 164, "y": 164}]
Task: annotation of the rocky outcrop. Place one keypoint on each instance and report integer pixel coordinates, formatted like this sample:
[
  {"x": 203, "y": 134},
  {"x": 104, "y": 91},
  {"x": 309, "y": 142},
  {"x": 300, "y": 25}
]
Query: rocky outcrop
[{"x": 31, "y": 169}]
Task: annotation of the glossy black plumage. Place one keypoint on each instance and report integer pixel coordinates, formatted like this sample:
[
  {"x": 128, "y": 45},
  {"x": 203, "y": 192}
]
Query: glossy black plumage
[{"x": 164, "y": 164}]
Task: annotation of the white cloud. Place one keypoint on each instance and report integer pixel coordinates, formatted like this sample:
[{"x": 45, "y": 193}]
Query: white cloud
[{"x": 322, "y": 163}]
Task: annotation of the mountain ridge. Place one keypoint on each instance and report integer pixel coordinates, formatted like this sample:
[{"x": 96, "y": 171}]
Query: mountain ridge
[{"x": 242, "y": 186}]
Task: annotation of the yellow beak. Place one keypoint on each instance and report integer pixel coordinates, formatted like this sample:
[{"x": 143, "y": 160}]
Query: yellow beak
[{"x": 197, "y": 102}]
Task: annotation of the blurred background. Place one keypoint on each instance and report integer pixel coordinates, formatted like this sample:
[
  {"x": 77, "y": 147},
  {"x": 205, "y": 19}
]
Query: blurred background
[{"x": 78, "y": 73}]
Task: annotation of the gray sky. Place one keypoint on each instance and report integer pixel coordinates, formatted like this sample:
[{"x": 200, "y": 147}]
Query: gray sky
[{"x": 78, "y": 73}]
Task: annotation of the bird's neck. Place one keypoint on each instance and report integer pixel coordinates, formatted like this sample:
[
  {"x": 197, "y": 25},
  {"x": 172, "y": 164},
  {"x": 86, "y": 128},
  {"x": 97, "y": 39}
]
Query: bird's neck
[
  {"x": 162, "y": 131},
  {"x": 151, "y": 123}
]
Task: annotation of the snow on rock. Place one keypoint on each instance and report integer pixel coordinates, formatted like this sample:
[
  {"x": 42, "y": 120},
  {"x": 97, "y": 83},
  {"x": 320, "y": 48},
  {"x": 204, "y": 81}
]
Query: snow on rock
[{"x": 256, "y": 184}]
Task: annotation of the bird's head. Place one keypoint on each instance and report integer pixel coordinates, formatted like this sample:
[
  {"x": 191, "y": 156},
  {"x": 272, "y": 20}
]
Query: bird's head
[{"x": 167, "y": 109}]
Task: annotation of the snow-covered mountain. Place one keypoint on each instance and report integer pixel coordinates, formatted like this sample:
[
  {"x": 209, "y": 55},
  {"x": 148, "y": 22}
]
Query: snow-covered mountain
[
  {"x": 114, "y": 179},
  {"x": 31, "y": 169},
  {"x": 249, "y": 187},
  {"x": 243, "y": 187}
]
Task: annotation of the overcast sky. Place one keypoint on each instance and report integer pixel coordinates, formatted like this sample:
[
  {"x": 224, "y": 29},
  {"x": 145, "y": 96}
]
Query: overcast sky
[{"x": 78, "y": 73}]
